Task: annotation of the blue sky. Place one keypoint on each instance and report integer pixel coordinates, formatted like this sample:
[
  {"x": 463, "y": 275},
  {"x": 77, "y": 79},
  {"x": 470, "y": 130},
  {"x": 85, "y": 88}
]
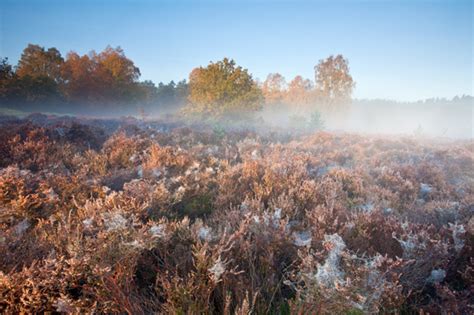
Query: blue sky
[{"x": 403, "y": 50}]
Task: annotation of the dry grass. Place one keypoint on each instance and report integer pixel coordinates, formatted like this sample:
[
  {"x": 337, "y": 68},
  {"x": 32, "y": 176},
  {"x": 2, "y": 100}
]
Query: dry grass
[{"x": 187, "y": 220}]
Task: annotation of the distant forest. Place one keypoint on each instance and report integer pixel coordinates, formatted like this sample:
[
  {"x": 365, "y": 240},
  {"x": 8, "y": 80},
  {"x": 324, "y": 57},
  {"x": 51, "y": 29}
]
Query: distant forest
[
  {"x": 44, "y": 80},
  {"x": 109, "y": 83}
]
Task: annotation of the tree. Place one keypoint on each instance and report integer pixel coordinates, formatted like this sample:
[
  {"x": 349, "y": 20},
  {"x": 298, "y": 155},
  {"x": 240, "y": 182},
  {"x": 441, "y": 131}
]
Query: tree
[
  {"x": 79, "y": 78},
  {"x": 223, "y": 89},
  {"x": 166, "y": 93},
  {"x": 274, "y": 88},
  {"x": 299, "y": 93},
  {"x": 113, "y": 63},
  {"x": 118, "y": 73},
  {"x": 107, "y": 77},
  {"x": 37, "y": 76},
  {"x": 333, "y": 81},
  {"x": 164, "y": 96},
  {"x": 182, "y": 91},
  {"x": 148, "y": 91},
  {"x": 7, "y": 77},
  {"x": 29, "y": 88},
  {"x": 172, "y": 94},
  {"x": 35, "y": 89},
  {"x": 6, "y": 70},
  {"x": 316, "y": 121},
  {"x": 36, "y": 62}
]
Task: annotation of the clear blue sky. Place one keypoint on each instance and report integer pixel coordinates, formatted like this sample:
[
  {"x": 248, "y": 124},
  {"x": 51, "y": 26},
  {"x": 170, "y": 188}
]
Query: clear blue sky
[{"x": 404, "y": 50}]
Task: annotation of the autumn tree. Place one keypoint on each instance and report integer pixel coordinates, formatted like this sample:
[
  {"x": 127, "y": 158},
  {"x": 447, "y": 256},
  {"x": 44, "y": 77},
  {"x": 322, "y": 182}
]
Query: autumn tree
[
  {"x": 36, "y": 61},
  {"x": 333, "y": 80},
  {"x": 274, "y": 88},
  {"x": 223, "y": 89},
  {"x": 79, "y": 78},
  {"x": 299, "y": 93},
  {"x": 37, "y": 76},
  {"x": 117, "y": 70},
  {"x": 107, "y": 77},
  {"x": 43, "y": 80}
]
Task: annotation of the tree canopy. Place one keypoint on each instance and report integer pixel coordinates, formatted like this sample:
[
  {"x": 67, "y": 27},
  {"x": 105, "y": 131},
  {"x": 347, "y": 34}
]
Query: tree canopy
[
  {"x": 223, "y": 89},
  {"x": 333, "y": 80},
  {"x": 36, "y": 61},
  {"x": 44, "y": 79},
  {"x": 274, "y": 88},
  {"x": 109, "y": 79},
  {"x": 105, "y": 77}
]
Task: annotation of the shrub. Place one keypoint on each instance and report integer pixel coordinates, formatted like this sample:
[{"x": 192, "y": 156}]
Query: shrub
[{"x": 176, "y": 219}]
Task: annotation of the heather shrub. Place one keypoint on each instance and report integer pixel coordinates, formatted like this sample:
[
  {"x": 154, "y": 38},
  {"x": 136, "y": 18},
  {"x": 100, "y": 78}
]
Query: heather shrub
[{"x": 126, "y": 217}]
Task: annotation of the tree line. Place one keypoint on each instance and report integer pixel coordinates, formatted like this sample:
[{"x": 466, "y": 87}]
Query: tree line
[
  {"x": 44, "y": 79},
  {"x": 108, "y": 80}
]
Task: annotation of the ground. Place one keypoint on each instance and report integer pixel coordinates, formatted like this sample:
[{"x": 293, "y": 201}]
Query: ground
[{"x": 127, "y": 216}]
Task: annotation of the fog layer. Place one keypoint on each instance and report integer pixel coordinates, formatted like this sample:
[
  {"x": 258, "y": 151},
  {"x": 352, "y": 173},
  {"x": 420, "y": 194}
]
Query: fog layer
[{"x": 450, "y": 119}]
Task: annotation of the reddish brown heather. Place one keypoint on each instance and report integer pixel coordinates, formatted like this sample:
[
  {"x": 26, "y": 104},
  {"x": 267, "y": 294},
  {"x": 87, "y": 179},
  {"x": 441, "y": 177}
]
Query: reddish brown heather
[{"x": 186, "y": 220}]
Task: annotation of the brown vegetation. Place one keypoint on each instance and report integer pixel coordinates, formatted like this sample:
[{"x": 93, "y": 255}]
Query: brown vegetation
[{"x": 113, "y": 217}]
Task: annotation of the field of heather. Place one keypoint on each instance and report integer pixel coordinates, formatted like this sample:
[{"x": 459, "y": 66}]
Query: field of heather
[{"x": 125, "y": 216}]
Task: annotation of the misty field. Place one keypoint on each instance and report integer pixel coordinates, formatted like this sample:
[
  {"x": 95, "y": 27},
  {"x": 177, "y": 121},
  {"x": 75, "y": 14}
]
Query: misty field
[{"x": 127, "y": 216}]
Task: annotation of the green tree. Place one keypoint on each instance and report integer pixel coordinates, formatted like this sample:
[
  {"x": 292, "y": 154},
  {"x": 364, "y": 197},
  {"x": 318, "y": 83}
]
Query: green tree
[
  {"x": 168, "y": 97},
  {"x": 316, "y": 121},
  {"x": 6, "y": 70},
  {"x": 147, "y": 92},
  {"x": 37, "y": 89},
  {"x": 172, "y": 95},
  {"x": 7, "y": 78},
  {"x": 182, "y": 91},
  {"x": 223, "y": 89}
]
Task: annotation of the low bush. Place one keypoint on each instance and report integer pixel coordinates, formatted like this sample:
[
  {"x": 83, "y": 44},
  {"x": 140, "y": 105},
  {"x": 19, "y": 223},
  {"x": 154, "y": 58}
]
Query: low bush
[{"x": 114, "y": 217}]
